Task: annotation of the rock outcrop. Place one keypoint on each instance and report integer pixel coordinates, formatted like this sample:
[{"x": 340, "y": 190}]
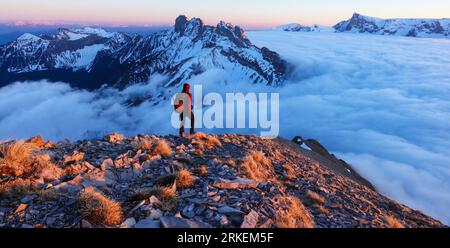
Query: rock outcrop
[{"x": 199, "y": 181}]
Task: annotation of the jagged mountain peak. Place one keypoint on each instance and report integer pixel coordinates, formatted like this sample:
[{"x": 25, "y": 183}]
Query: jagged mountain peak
[
  {"x": 195, "y": 27},
  {"x": 28, "y": 37},
  {"x": 91, "y": 57}
]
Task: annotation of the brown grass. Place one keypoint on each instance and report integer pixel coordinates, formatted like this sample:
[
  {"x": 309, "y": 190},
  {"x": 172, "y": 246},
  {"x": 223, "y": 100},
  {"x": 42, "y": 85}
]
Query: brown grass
[
  {"x": 322, "y": 209},
  {"x": 206, "y": 141},
  {"x": 292, "y": 214},
  {"x": 315, "y": 197},
  {"x": 392, "y": 222},
  {"x": 16, "y": 188},
  {"x": 257, "y": 166},
  {"x": 290, "y": 171},
  {"x": 144, "y": 145},
  {"x": 48, "y": 195},
  {"x": 184, "y": 179},
  {"x": 98, "y": 209},
  {"x": 18, "y": 158},
  {"x": 167, "y": 196},
  {"x": 199, "y": 152},
  {"x": 161, "y": 147},
  {"x": 203, "y": 170}
]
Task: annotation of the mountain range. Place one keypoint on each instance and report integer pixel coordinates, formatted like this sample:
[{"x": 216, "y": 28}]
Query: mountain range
[
  {"x": 295, "y": 27},
  {"x": 423, "y": 28},
  {"x": 89, "y": 58},
  {"x": 432, "y": 28}
]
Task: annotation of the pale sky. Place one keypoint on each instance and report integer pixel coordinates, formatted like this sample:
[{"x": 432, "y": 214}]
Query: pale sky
[{"x": 247, "y": 13}]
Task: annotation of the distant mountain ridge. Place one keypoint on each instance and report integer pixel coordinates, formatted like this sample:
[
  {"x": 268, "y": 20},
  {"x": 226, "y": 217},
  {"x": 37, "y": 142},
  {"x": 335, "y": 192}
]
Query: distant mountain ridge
[
  {"x": 430, "y": 28},
  {"x": 411, "y": 27},
  {"x": 295, "y": 27},
  {"x": 91, "y": 57}
]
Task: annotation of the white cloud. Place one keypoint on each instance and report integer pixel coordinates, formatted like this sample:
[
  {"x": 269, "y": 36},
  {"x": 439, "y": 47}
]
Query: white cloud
[{"x": 381, "y": 103}]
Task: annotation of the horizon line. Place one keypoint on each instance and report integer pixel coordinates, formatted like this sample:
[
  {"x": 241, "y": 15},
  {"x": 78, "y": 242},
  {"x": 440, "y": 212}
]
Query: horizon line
[{"x": 107, "y": 24}]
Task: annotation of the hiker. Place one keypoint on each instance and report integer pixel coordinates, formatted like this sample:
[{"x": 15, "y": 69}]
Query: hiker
[{"x": 183, "y": 105}]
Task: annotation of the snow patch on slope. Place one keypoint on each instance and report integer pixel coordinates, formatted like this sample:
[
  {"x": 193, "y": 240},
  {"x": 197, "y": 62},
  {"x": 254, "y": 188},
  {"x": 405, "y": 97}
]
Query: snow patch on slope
[{"x": 79, "y": 59}]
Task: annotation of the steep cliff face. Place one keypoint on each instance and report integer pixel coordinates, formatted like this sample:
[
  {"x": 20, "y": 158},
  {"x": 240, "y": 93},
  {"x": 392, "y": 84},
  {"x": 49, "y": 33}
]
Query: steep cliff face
[
  {"x": 433, "y": 28},
  {"x": 199, "y": 181},
  {"x": 91, "y": 57}
]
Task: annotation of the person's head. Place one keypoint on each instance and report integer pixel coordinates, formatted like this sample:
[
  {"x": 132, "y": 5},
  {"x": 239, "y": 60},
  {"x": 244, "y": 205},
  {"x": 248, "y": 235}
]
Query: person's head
[{"x": 186, "y": 87}]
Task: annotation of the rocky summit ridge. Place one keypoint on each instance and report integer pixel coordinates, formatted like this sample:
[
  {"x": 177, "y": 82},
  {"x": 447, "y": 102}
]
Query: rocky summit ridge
[{"x": 151, "y": 181}]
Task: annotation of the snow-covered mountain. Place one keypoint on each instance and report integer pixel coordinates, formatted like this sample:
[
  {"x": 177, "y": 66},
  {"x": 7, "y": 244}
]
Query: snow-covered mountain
[
  {"x": 433, "y": 28},
  {"x": 295, "y": 27},
  {"x": 90, "y": 57}
]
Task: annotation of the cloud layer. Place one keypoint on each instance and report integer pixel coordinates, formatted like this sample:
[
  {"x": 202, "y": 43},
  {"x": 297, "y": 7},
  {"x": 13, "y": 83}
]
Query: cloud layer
[{"x": 381, "y": 103}]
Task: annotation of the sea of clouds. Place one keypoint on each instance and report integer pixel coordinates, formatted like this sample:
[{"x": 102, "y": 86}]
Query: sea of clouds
[{"x": 381, "y": 103}]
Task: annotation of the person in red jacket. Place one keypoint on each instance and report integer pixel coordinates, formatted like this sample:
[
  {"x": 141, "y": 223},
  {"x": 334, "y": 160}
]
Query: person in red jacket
[{"x": 185, "y": 97}]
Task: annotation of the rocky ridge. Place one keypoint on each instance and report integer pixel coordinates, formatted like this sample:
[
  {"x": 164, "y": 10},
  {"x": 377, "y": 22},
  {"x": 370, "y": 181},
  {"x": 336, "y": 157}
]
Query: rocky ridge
[
  {"x": 150, "y": 181},
  {"x": 431, "y": 28}
]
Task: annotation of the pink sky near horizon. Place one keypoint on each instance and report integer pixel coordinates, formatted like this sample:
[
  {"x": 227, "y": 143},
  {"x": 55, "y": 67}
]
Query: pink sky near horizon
[{"x": 247, "y": 13}]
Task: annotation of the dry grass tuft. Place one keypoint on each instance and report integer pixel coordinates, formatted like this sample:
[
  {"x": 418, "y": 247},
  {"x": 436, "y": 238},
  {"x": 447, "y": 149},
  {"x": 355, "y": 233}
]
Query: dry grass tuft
[
  {"x": 289, "y": 171},
  {"x": 203, "y": 170},
  {"x": 48, "y": 195},
  {"x": 198, "y": 151},
  {"x": 392, "y": 222},
  {"x": 321, "y": 209},
  {"x": 18, "y": 158},
  {"x": 144, "y": 145},
  {"x": 98, "y": 209},
  {"x": 204, "y": 140},
  {"x": 167, "y": 196},
  {"x": 161, "y": 147},
  {"x": 184, "y": 179},
  {"x": 292, "y": 214},
  {"x": 257, "y": 166},
  {"x": 315, "y": 198},
  {"x": 16, "y": 188}
]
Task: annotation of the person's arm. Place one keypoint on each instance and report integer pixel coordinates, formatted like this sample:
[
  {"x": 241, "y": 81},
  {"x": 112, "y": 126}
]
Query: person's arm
[{"x": 180, "y": 104}]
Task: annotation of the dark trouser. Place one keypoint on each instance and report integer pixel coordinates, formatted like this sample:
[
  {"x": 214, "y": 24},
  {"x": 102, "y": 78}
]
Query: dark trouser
[{"x": 182, "y": 123}]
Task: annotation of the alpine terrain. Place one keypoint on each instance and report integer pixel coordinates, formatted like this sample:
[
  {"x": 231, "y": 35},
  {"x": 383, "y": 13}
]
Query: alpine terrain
[
  {"x": 199, "y": 181},
  {"x": 91, "y": 57}
]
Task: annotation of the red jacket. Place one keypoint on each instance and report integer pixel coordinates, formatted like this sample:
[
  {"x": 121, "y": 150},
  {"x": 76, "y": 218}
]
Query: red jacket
[{"x": 186, "y": 89}]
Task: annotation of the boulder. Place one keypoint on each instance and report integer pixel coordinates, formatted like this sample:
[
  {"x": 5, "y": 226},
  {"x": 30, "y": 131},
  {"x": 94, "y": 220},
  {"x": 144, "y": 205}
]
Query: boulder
[
  {"x": 148, "y": 223},
  {"x": 250, "y": 220},
  {"x": 128, "y": 223},
  {"x": 76, "y": 156},
  {"x": 229, "y": 210},
  {"x": 114, "y": 138},
  {"x": 173, "y": 222},
  {"x": 238, "y": 183},
  {"x": 21, "y": 207}
]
